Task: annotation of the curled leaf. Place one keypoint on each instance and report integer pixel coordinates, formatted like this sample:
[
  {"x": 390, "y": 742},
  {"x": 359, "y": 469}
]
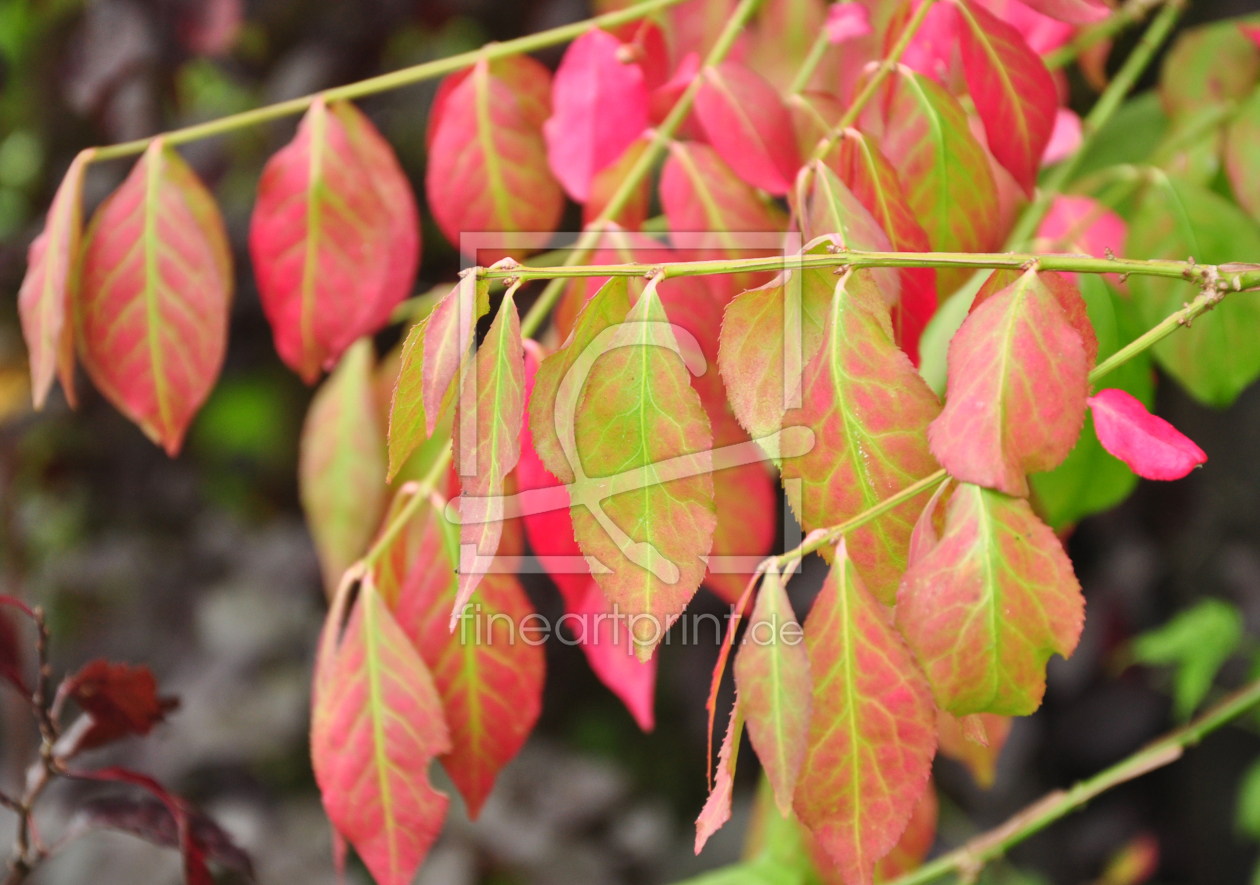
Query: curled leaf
[
  {"x": 121, "y": 700},
  {"x": 1152, "y": 447}
]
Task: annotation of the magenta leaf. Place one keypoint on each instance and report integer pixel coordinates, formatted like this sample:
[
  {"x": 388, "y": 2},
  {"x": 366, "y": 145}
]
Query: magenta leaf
[{"x": 1152, "y": 447}]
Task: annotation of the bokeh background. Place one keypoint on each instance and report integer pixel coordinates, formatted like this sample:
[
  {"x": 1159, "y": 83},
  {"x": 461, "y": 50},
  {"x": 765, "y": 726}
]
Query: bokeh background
[{"x": 202, "y": 568}]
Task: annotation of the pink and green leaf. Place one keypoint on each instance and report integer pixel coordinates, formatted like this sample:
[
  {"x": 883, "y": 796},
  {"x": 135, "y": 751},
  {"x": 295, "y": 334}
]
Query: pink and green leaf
[
  {"x": 335, "y": 237},
  {"x": 989, "y": 605},
  {"x": 872, "y": 735},
  {"x": 154, "y": 296}
]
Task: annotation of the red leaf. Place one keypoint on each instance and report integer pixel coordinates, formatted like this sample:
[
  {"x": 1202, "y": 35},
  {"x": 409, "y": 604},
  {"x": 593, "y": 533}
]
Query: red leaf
[
  {"x": 487, "y": 445},
  {"x": 873, "y": 732},
  {"x": 700, "y": 193},
  {"x": 1251, "y": 32},
  {"x": 944, "y": 172},
  {"x": 773, "y": 682},
  {"x": 1152, "y": 447},
  {"x": 487, "y": 166},
  {"x": 195, "y": 833},
  {"x": 989, "y": 605},
  {"x": 748, "y": 125},
  {"x": 489, "y": 679},
  {"x": 1042, "y": 33},
  {"x": 11, "y": 655},
  {"x": 607, "y": 648},
  {"x": 1015, "y": 401},
  {"x": 121, "y": 700},
  {"x": 869, "y": 411},
  {"x": 1013, "y": 91},
  {"x": 958, "y": 740},
  {"x": 335, "y": 237},
  {"x": 376, "y": 724},
  {"x": 846, "y": 21},
  {"x": 156, "y": 283},
  {"x": 599, "y": 107},
  {"x": 717, "y": 808},
  {"x": 1065, "y": 137},
  {"x": 1076, "y": 12},
  {"x": 44, "y": 301},
  {"x": 342, "y": 464},
  {"x": 1068, "y": 296},
  {"x": 873, "y": 180}
]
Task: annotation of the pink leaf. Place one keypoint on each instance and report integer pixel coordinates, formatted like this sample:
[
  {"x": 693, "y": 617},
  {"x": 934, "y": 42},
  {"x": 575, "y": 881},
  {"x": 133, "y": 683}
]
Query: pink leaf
[
  {"x": 749, "y": 126},
  {"x": 846, "y": 21},
  {"x": 1251, "y": 32},
  {"x": 599, "y": 106},
  {"x": 1042, "y": 33},
  {"x": 1152, "y": 447},
  {"x": 1075, "y": 12}
]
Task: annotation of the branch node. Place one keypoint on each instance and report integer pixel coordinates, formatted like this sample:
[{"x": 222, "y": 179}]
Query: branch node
[{"x": 1111, "y": 256}]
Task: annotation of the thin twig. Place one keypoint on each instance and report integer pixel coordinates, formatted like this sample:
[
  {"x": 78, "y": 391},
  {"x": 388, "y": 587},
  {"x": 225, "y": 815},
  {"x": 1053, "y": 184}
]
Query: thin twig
[
  {"x": 969, "y": 860},
  {"x": 393, "y": 80}
]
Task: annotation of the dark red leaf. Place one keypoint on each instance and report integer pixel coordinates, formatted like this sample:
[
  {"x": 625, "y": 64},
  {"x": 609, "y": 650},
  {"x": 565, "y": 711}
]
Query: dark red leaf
[
  {"x": 11, "y": 655},
  {"x": 122, "y": 700},
  {"x": 748, "y": 125}
]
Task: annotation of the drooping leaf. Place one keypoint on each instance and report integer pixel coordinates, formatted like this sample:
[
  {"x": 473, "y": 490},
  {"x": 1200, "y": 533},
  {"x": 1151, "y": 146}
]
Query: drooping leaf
[
  {"x": 869, "y": 412},
  {"x": 873, "y": 730},
  {"x": 638, "y": 443},
  {"x": 959, "y": 743},
  {"x": 1066, "y": 295},
  {"x": 599, "y": 107},
  {"x": 487, "y": 444},
  {"x": 717, "y": 808},
  {"x": 44, "y": 301},
  {"x": 610, "y": 653},
  {"x": 487, "y": 168},
  {"x": 1242, "y": 149},
  {"x": 1017, "y": 386},
  {"x": 1213, "y": 358},
  {"x": 376, "y": 724},
  {"x": 11, "y": 668},
  {"x": 700, "y": 193},
  {"x": 1207, "y": 65},
  {"x": 1198, "y": 642},
  {"x": 488, "y": 673},
  {"x": 989, "y": 605},
  {"x": 1152, "y": 447},
  {"x": 748, "y": 125},
  {"x": 154, "y": 292},
  {"x": 1014, "y": 94},
  {"x": 873, "y": 180},
  {"x": 773, "y": 682},
  {"x": 943, "y": 170},
  {"x": 341, "y": 464},
  {"x": 1090, "y": 479},
  {"x": 335, "y": 237},
  {"x": 121, "y": 700}
]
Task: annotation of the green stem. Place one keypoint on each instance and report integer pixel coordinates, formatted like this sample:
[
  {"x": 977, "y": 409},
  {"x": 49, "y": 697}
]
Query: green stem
[
  {"x": 392, "y": 80},
  {"x": 886, "y": 67},
  {"x": 812, "y": 60},
  {"x": 408, "y": 510},
  {"x": 660, "y": 140},
  {"x": 968, "y": 861},
  {"x": 1108, "y": 103},
  {"x": 1234, "y": 276},
  {"x": 1131, "y": 13}
]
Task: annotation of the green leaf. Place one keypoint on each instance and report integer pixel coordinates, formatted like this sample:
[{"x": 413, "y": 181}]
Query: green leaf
[
  {"x": 1242, "y": 154},
  {"x": 1091, "y": 479},
  {"x": 1247, "y": 811},
  {"x": 341, "y": 464},
  {"x": 1210, "y": 64},
  {"x": 1215, "y": 359},
  {"x": 408, "y": 428},
  {"x": 1197, "y": 642}
]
